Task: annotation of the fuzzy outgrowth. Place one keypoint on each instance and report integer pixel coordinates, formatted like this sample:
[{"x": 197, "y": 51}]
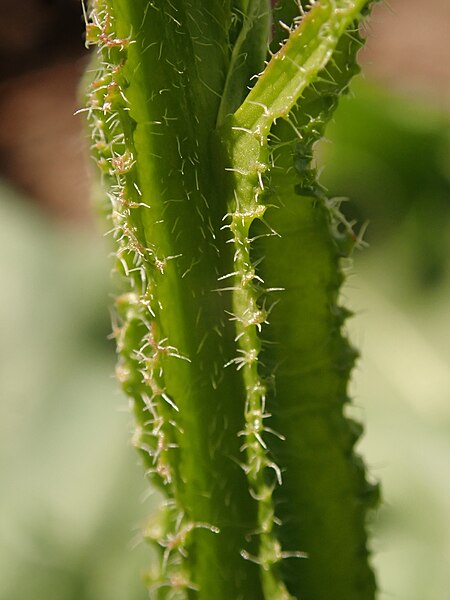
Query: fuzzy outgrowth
[
  {"x": 135, "y": 329},
  {"x": 135, "y": 325}
]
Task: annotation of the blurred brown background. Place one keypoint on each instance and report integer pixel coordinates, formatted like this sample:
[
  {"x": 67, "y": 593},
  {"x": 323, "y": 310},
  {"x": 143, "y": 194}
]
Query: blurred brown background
[{"x": 42, "y": 58}]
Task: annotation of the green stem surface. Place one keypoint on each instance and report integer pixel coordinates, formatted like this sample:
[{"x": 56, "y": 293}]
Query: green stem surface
[{"x": 229, "y": 328}]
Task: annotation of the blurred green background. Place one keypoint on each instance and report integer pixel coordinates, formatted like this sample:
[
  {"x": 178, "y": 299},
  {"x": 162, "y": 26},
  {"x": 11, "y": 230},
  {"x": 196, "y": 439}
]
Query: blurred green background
[{"x": 73, "y": 496}]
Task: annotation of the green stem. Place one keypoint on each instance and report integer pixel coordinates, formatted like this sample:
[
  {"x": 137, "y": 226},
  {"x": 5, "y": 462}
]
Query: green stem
[
  {"x": 241, "y": 424},
  {"x": 245, "y": 134},
  {"x": 174, "y": 342}
]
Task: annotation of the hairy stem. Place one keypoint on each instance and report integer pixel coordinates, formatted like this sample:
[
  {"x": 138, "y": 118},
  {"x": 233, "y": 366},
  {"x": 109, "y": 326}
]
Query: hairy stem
[{"x": 229, "y": 328}]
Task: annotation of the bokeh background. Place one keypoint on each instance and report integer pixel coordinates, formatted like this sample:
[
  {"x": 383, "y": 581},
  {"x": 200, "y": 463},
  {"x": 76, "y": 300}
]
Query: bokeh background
[{"x": 73, "y": 496}]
